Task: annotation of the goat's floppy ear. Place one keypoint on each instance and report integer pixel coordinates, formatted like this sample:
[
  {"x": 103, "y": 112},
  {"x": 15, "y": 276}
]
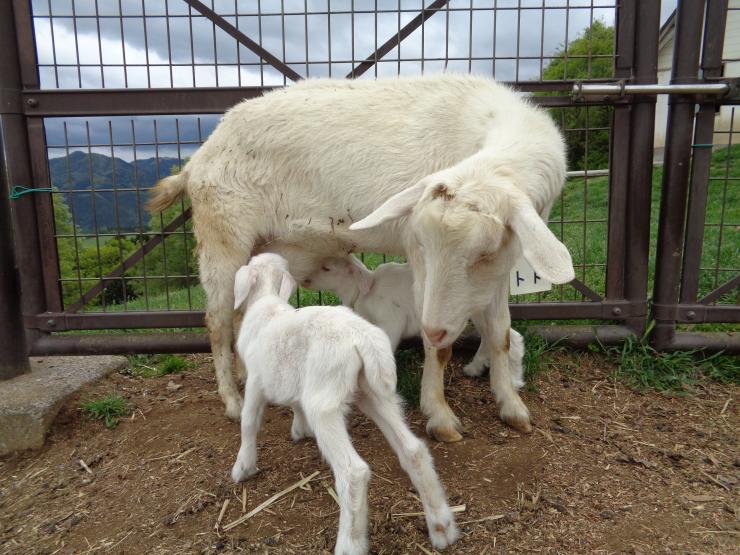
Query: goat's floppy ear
[
  {"x": 287, "y": 286},
  {"x": 544, "y": 252},
  {"x": 395, "y": 207},
  {"x": 243, "y": 282}
]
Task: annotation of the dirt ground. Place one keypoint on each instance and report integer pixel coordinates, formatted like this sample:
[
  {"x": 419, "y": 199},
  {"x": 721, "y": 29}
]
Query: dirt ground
[{"x": 607, "y": 470}]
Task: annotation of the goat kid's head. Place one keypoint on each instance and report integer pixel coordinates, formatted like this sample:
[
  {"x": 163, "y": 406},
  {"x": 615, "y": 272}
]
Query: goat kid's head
[
  {"x": 335, "y": 273},
  {"x": 464, "y": 231},
  {"x": 266, "y": 274}
]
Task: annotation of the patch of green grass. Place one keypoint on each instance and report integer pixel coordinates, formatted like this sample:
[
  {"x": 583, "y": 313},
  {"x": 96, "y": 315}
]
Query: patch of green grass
[
  {"x": 642, "y": 367},
  {"x": 537, "y": 357},
  {"x": 409, "y": 366},
  {"x": 108, "y": 408},
  {"x": 156, "y": 365}
]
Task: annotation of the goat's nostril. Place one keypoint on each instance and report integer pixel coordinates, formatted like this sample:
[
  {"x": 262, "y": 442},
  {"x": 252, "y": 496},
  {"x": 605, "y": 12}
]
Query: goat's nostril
[{"x": 435, "y": 335}]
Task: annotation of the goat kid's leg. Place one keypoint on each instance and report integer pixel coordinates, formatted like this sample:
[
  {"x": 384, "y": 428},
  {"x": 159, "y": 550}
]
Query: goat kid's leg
[
  {"x": 443, "y": 425},
  {"x": 477, "y": 366},
  {"x": 300, "y": 429},
  {"x": 512, "y": 409},
  {"x": 480, "y": 361},
  {"x": 516, "y": 358},
  {"x": 417, "y": 462},
  {"x": 254, "y": 406},
  {"x": 351, "y": 474},
  {"x": 217, "y": 270}
]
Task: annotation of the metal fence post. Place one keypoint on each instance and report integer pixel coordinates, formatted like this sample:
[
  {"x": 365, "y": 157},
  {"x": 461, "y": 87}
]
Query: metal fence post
[
  {"x": 13, "y": 349},
  {"x": 679, "y": 135},
  {"x": 637, "y": 221},
  {"x": 15, "y": 19}
]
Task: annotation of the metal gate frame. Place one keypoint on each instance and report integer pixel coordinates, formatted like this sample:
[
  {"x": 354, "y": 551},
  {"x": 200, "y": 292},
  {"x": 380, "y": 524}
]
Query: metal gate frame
[{"x": 24, "y": 105}]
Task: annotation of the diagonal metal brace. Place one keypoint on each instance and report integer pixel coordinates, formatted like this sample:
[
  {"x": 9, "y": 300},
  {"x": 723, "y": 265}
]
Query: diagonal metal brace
[{"x": 243, "y": 39}]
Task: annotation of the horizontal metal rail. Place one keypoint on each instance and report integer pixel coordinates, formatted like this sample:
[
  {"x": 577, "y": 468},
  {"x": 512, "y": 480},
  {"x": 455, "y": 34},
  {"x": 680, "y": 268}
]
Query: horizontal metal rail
[{"x": 621, "y": 89}]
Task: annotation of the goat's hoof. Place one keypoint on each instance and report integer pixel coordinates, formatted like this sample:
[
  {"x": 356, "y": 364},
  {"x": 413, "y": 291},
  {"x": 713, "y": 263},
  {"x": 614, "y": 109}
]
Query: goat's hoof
[
  {"x": 474, "y": 369},
  {"x": 447, "y": 434},
  {"x": 517, "y": 416}
]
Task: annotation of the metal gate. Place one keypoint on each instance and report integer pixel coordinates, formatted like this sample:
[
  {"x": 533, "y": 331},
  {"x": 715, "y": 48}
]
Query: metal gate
[{"x": 50, "y": 112}]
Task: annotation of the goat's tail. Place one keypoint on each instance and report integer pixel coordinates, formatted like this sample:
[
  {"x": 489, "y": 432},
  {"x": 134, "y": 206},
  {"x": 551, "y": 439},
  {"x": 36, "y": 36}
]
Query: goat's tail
[
  {"x": 379, "y": 364},
  {"x": 166, "y": 191}
]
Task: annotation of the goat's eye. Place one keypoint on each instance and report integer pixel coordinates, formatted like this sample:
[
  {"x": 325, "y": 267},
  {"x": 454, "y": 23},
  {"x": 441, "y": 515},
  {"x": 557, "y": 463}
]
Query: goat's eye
[{"x": 324, "y": 269}]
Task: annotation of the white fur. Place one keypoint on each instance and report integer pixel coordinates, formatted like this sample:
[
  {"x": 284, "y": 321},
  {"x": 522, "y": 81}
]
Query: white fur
[
  {"x": 325, "y": 153},
  {"x": 385, "y": 297},
  {"x": 317, "y": 360}
]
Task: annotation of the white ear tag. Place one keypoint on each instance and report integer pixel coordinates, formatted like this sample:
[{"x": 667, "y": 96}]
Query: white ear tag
[{"x": 523, "y": 279}]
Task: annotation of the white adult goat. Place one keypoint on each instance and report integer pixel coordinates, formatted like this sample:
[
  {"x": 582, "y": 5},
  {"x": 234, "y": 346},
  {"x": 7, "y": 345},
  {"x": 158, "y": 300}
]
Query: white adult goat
[
  {"x": 318, "y": 360},
  {"x": 385, "y": 297},
  {"x": 456, "y": 172}
]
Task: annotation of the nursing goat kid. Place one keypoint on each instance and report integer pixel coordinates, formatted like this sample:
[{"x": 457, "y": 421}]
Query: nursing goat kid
[
  {"x": 318, "y": 360},
  {"x": 456, "y": 172},
  {"x": 385, "y": 297}
]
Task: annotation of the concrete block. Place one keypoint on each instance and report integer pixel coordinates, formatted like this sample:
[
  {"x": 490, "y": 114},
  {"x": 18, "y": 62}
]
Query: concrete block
[{"x": 29, "y": 403}]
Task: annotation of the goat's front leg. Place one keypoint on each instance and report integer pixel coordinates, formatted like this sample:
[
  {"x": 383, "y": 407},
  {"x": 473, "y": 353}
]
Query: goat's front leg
[
  {"x": 443, "y": 424},
  {"x": 512, "y": 409}
]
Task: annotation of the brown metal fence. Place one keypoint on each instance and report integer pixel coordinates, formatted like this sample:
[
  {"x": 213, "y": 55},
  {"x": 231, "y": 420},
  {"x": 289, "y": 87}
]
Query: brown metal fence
[{"x": 101, "y": 98}]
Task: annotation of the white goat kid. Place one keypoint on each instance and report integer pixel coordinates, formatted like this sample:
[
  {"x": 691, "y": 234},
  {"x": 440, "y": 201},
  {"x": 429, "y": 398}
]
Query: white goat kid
[
  {"x": 462, "y": 187},
  {"x": 317, "y": 360},
  {"x": 385, "y": 297}
]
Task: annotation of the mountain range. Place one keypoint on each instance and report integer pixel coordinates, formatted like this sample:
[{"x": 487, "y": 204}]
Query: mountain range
[{"x": 121, "y": 189}]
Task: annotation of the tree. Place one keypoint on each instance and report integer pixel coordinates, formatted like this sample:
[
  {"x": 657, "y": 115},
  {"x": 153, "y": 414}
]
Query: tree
[{"x": 589, "y": 56}]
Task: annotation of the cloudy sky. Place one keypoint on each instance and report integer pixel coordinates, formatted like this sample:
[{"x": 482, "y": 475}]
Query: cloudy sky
[{"x": 157, "y": 43}]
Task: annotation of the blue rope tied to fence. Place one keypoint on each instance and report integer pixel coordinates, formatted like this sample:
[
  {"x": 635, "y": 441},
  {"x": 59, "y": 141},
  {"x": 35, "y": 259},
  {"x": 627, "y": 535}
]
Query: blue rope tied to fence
[
  {"x": 702, "y": 145},
  {"x": 19, "y": 190}
]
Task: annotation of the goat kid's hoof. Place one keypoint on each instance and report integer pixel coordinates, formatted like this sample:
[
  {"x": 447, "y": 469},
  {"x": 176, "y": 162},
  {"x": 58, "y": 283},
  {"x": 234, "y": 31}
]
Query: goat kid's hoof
[
  {"x": 234, "y": 411},
  {"x": 241, "y": 472},
  {"x": 474, "y": 369},
  {"x": 349, "y": 546},
  {"x": 443, "y": 533}
]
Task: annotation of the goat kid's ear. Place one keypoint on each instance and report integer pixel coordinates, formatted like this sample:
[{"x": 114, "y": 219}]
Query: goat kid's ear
[
  {"x": 287, "y": 286},
  {"x": 395, "y": 207},
  {"x": 360, "y": 274},
  {"x": 544, "y": 252},
  {"x": 243, "y": 282}
]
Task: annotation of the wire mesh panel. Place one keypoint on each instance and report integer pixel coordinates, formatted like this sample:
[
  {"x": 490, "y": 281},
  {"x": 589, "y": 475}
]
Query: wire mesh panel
[
  {"x": 101, "y": 170},
  {"x": 721, "y": 246},
  {"x": 171, "y": 43}
]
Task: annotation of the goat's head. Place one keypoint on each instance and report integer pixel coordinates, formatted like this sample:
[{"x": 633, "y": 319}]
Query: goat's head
[
  {"x": 265, "y": 274},
  {"x": 335, "y": 273},
  {"x": 464, "y": 231}
]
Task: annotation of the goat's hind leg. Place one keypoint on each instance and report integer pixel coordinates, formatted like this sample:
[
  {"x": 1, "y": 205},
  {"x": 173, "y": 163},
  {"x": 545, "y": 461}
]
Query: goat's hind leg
[
  {"x": 217, "y": 269},
  {"x": 254, "y": 406},
  {"x": 417, "y": 462},
  {"x": 352, "y": 476}
]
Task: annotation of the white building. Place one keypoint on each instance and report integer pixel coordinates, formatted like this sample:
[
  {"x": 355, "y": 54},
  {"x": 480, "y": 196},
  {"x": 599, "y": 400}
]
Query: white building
[{"x": 731, "y": 55}]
